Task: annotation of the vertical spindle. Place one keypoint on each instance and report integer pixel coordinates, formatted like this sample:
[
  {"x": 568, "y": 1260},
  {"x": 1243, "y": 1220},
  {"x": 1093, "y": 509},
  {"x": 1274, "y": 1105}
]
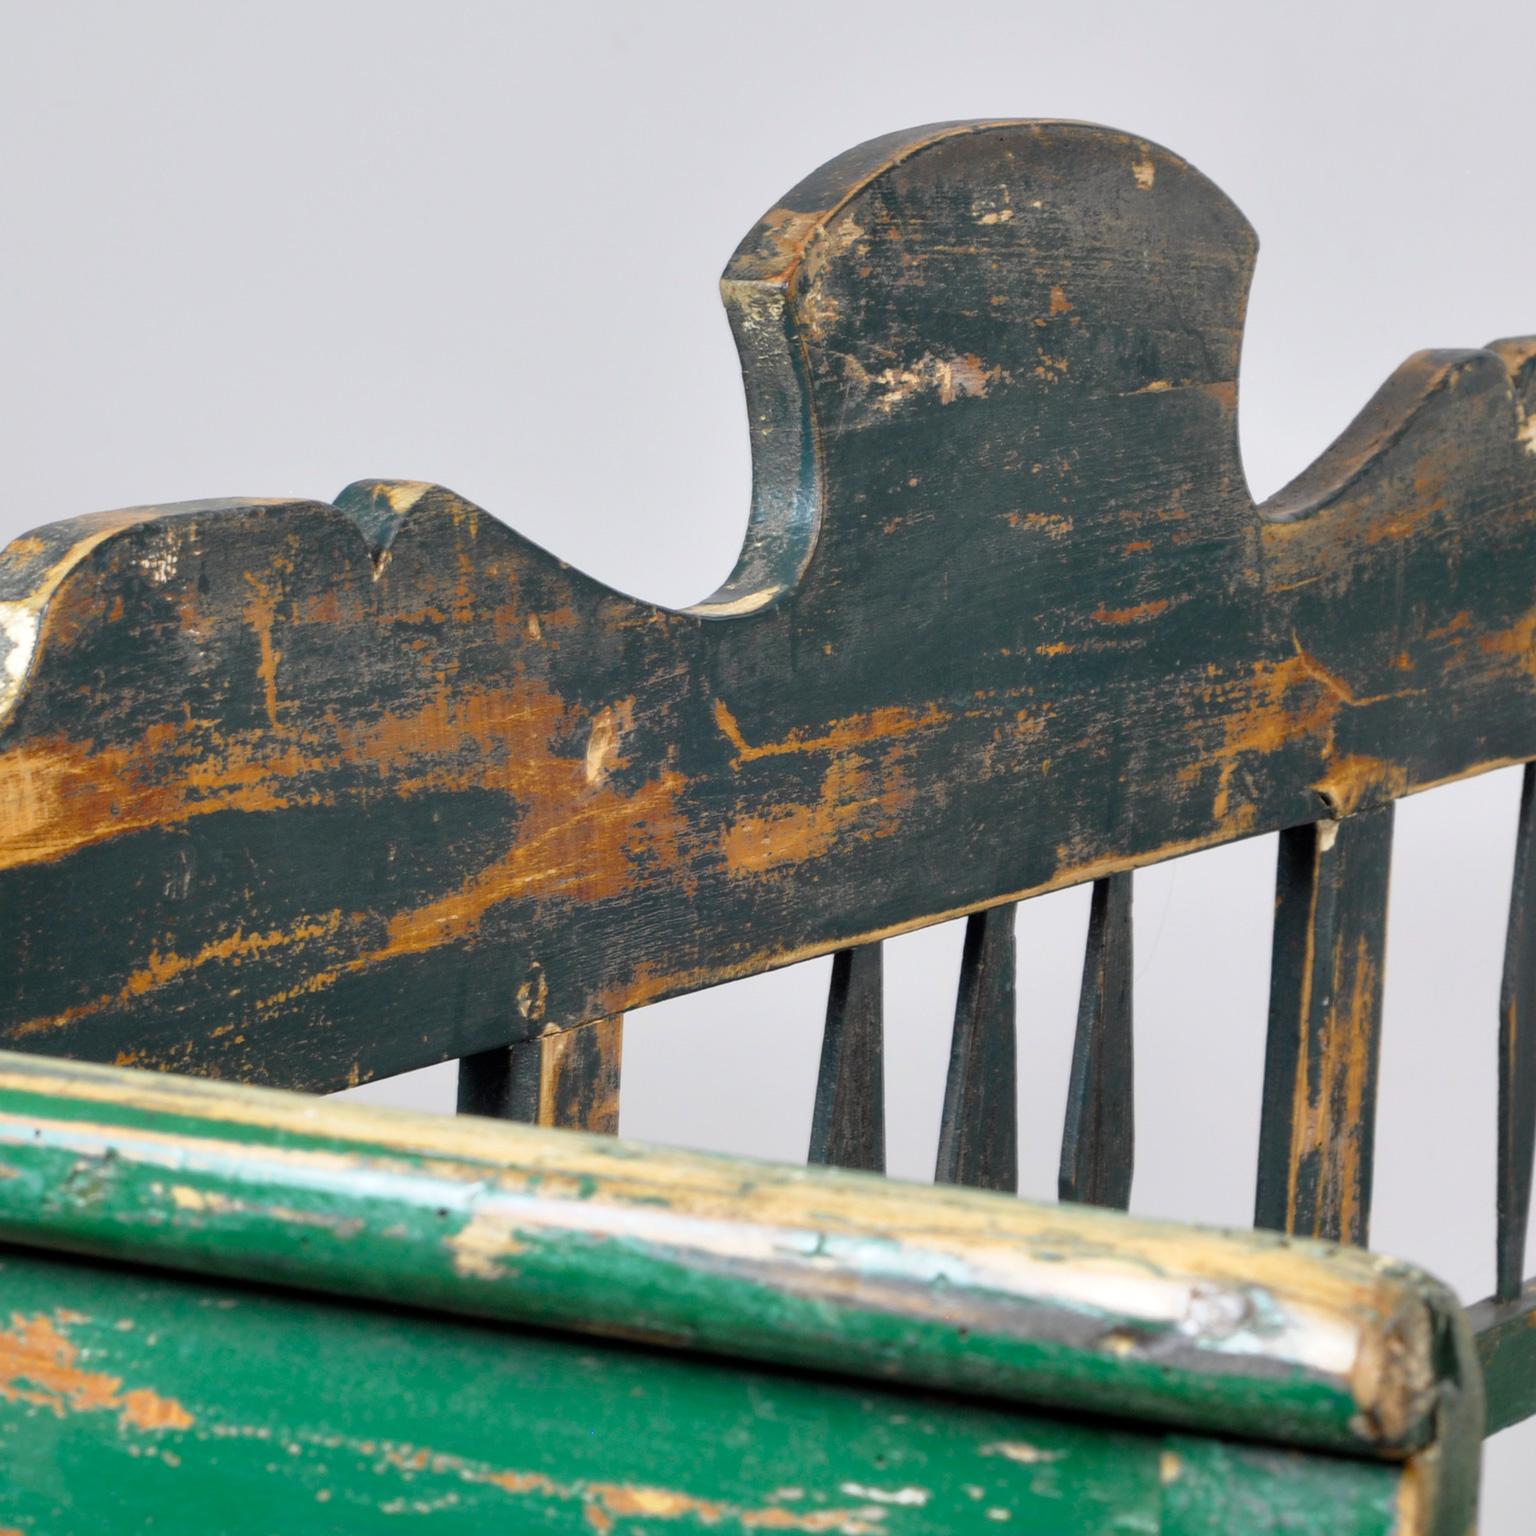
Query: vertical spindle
[
  {"x": 1317, "y": 1132},
  {"x": 567, "y": 1078},
  {"x": 979, "y": 1136},
  {"x": 1517, "y": 1055},
  {"x": 1098, "y": 1144},
  {"x": 848, "y": 1125}
]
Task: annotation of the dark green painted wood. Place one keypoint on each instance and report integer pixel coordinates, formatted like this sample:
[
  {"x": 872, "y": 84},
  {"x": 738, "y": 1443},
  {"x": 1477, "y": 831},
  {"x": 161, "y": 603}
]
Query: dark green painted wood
[
  {"x": 848, "y": 1122},
  {"x": 1505, "y": 1330},
  {"x": 1099, "y": 1143},
  {"x": 1318, "y": 1125},
  {"x": 979, "y": 1131},
  {"x": 813, "y": 1268},
  {"x": 486, "y": 1087},
  {"x": 1213, "y": 1488},
  {"x": 1517, "y": 1056},
  {"x": 1005, "y": 620},
  {"x": 124, "y": 1414}
]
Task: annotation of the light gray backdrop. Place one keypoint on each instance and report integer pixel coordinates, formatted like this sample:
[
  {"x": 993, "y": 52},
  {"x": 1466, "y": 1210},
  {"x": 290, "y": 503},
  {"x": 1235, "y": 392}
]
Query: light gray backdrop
[{"x": 269, "y": 248}]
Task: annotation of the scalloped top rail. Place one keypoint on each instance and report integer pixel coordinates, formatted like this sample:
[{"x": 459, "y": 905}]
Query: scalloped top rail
[{"x": 306, "y": 794}]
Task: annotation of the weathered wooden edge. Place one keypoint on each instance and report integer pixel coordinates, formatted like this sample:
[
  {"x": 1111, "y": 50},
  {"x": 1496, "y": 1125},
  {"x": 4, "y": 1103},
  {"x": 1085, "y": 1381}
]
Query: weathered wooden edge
[
  {"x": 136, "y": 1401},
  {"x": 1075, "y": 1308}
]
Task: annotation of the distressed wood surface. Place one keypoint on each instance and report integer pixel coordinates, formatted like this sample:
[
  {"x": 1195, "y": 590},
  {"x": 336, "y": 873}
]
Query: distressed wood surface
[
  {"x": 848, "y": 1121},
  {"x": 1517, "y": 1057},
  {"x": 1318, "y": 1123},
  {"x": 1099, "y": 1142},
  {"x": 1005, "y": 620},
  {"x": 119, "y": 1413},
  {"x": 979, "y": 1126},
  {"x": 566, "y": 1078},
  {"x": 819, "y": 1269}
]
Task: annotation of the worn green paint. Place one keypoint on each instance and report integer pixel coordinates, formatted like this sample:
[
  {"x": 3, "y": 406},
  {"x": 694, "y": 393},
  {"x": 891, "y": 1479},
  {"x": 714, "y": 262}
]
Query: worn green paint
[
  {"x": 591, "y": 1233},
  {"x": 133, "y": 1402},
  {"x": 1006, "y": 619},
  {"x": 1215, "y": 1488}
]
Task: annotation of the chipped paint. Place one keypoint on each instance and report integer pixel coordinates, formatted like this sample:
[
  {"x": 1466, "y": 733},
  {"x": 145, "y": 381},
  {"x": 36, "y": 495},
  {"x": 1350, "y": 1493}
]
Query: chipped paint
[
  {"x": 511, "y": 1196},
  {"x": 40, "y": 1366},
  {"x": 913, "y": 1497},
  {"x": 1137, "y": 613},
  {"x": 1021, "y": 1451},
  {"x": 482, "y": 1243},
  {"x": 840, "y": 736}
]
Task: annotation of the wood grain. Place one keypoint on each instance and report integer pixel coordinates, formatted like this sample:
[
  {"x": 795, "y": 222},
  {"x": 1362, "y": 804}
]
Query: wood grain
[
  {"x": 121, "y": 1414},
  {"x": 1005, "y": 620},
  {"x": 814, "y": 1268},
  {"x": 567, "y": 1078},
  {"x": 1318, "y": 1125}
]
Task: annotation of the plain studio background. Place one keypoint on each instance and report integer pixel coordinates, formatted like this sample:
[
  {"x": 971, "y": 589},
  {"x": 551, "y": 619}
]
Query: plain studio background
[{"x": 269, "y": 249}]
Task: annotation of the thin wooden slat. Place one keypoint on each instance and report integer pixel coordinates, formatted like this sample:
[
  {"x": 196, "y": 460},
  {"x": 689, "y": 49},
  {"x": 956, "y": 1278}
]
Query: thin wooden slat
[
  {"x": 1317, "y": 1133},
  {"x": 568, "y": 1079},
  {"x": 979, "y": 1134},
  {"x": 848, "y": 1125},
  {"x": 1098, "y": 1144},
  {"x": 1517, "y": 1056}
]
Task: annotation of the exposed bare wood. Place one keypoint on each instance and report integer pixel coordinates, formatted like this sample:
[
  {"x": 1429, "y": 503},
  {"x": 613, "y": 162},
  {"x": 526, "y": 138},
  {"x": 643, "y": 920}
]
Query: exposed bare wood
[
  {"x": 568, "y": 1078},
  {"x": 1317, "y": 1132},
  {"x": 1005, "y": 620}
]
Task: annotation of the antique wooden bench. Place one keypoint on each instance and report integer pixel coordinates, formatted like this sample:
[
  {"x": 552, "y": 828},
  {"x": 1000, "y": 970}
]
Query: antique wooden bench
[{"x": 294, "y": 795}]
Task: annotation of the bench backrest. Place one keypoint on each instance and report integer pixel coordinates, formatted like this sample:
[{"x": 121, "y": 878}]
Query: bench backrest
[{"x": 306, "y": 794}]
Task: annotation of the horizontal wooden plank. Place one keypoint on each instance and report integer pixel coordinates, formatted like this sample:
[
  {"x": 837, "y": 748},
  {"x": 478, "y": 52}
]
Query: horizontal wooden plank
[
  {"x": 1005, "y": 620},
  {"x": 134, "y": 1402},
  {"x": 1505, "y": 1331},
  {"x": 938, "y": 1287}
]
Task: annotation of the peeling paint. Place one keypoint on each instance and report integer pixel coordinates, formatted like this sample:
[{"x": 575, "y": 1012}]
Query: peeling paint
[{"x": 39, "y": 1365}]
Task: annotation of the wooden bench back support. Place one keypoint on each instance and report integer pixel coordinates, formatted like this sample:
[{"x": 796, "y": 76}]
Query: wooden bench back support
[{"x": 306, "y": 794}]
